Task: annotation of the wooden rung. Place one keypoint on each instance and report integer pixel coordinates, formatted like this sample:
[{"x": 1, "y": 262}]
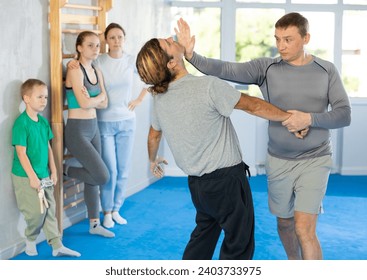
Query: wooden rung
[
  {"x": 82, "y": 7},
  {"x": 65, "y": 108},
  {"x": 77, "y": 31},
  {"x": 73, "y": 190},
  {"x": 71, "y": 182},
  {"x": 74, "y": 203},
  {"x": 68, "y": 55},
  {"x": 78, "y": 19},
  {"x": 68, "y": 156}
]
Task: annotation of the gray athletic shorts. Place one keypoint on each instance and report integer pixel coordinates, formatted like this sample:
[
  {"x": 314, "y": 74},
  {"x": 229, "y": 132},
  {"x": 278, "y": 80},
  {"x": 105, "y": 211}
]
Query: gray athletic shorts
[{"x": 297, "y": 185}]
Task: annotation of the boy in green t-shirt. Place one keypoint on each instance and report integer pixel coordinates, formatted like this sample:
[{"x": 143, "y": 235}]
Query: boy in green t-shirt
[{"x": 33, "y": 158}]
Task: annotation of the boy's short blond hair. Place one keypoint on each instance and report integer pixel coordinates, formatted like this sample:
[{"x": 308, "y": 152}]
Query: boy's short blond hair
[{"x": 28, "y": 85}]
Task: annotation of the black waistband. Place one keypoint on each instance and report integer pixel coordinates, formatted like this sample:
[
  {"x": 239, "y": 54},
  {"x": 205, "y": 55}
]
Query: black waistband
[{"x": 225, "y": 171}]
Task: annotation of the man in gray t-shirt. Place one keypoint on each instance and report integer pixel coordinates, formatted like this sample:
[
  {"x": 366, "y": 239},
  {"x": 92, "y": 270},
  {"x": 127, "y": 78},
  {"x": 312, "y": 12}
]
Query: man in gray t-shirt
[
  {"x": 297, "y": 170},
  {"x": 193, "y": 114}
]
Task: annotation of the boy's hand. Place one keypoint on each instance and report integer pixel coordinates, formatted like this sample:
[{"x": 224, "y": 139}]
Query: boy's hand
[
  {"x": 35, "y": 183},
  {"x": 53, "y": 177}
]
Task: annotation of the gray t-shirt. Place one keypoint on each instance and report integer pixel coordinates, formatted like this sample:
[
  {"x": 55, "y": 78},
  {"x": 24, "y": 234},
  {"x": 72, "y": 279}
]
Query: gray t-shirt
[
  {"x": 309, "y": 88},
  {"x": 194, "y": 117}
]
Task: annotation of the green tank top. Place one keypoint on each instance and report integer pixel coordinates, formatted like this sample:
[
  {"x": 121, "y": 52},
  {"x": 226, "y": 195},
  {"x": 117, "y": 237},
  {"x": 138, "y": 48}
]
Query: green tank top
[{"x": 93, "y": 89}]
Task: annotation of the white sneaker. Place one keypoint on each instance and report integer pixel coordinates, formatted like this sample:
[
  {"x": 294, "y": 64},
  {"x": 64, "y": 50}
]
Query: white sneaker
[
  {"x": 30, "y": 248},
  {"x": 118, "y": 219},
  {"x": 99, "y": 230},
  {"x": 107, "y": 221}
]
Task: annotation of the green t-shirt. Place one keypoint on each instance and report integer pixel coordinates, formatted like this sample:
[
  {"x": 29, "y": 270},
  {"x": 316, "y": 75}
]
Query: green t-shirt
[{"x": 35, "y": 137}]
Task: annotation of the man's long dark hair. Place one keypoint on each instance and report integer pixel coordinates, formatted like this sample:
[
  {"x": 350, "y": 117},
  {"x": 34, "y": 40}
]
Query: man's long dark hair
[{"x": 151, "y": 63}]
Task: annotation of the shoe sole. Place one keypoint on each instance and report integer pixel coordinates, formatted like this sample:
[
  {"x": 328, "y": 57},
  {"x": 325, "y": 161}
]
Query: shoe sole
[
  {"x": 102, "y": 235},
  {"x": 31, "y": 254}
]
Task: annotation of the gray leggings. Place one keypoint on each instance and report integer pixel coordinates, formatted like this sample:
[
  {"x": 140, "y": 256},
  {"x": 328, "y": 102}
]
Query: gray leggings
[{"x": 83, "y": 141}]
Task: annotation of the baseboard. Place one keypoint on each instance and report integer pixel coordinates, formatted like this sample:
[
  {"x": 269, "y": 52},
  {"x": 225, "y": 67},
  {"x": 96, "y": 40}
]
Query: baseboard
[
  {"x": 139, "y": 187},
  {"x": 356, "y": 171},
  {"x": 73, "y": 216},
  {"x": 16, "y": 248}
]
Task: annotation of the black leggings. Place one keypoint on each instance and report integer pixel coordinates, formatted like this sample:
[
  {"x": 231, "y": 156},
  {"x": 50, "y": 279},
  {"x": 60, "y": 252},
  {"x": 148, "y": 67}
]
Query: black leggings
[
  {"x": 83, "y": 141},
  {"x": 223, "y": 201}
]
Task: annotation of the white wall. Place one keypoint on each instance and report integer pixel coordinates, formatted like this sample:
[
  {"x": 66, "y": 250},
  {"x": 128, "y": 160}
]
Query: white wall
[{"x": 23, "y": 54}]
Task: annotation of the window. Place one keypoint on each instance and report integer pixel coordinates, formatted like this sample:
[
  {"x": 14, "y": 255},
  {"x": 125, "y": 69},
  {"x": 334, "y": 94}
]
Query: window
[
  {"x": 239, "y": 30},
  {"x": 322, "y": 34},
  {"x": 255, "y": 33},
  {"x": 209, "y": 42},
  {"x": 354, "y": 54},
  {"x": 255, "y": 38}
]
